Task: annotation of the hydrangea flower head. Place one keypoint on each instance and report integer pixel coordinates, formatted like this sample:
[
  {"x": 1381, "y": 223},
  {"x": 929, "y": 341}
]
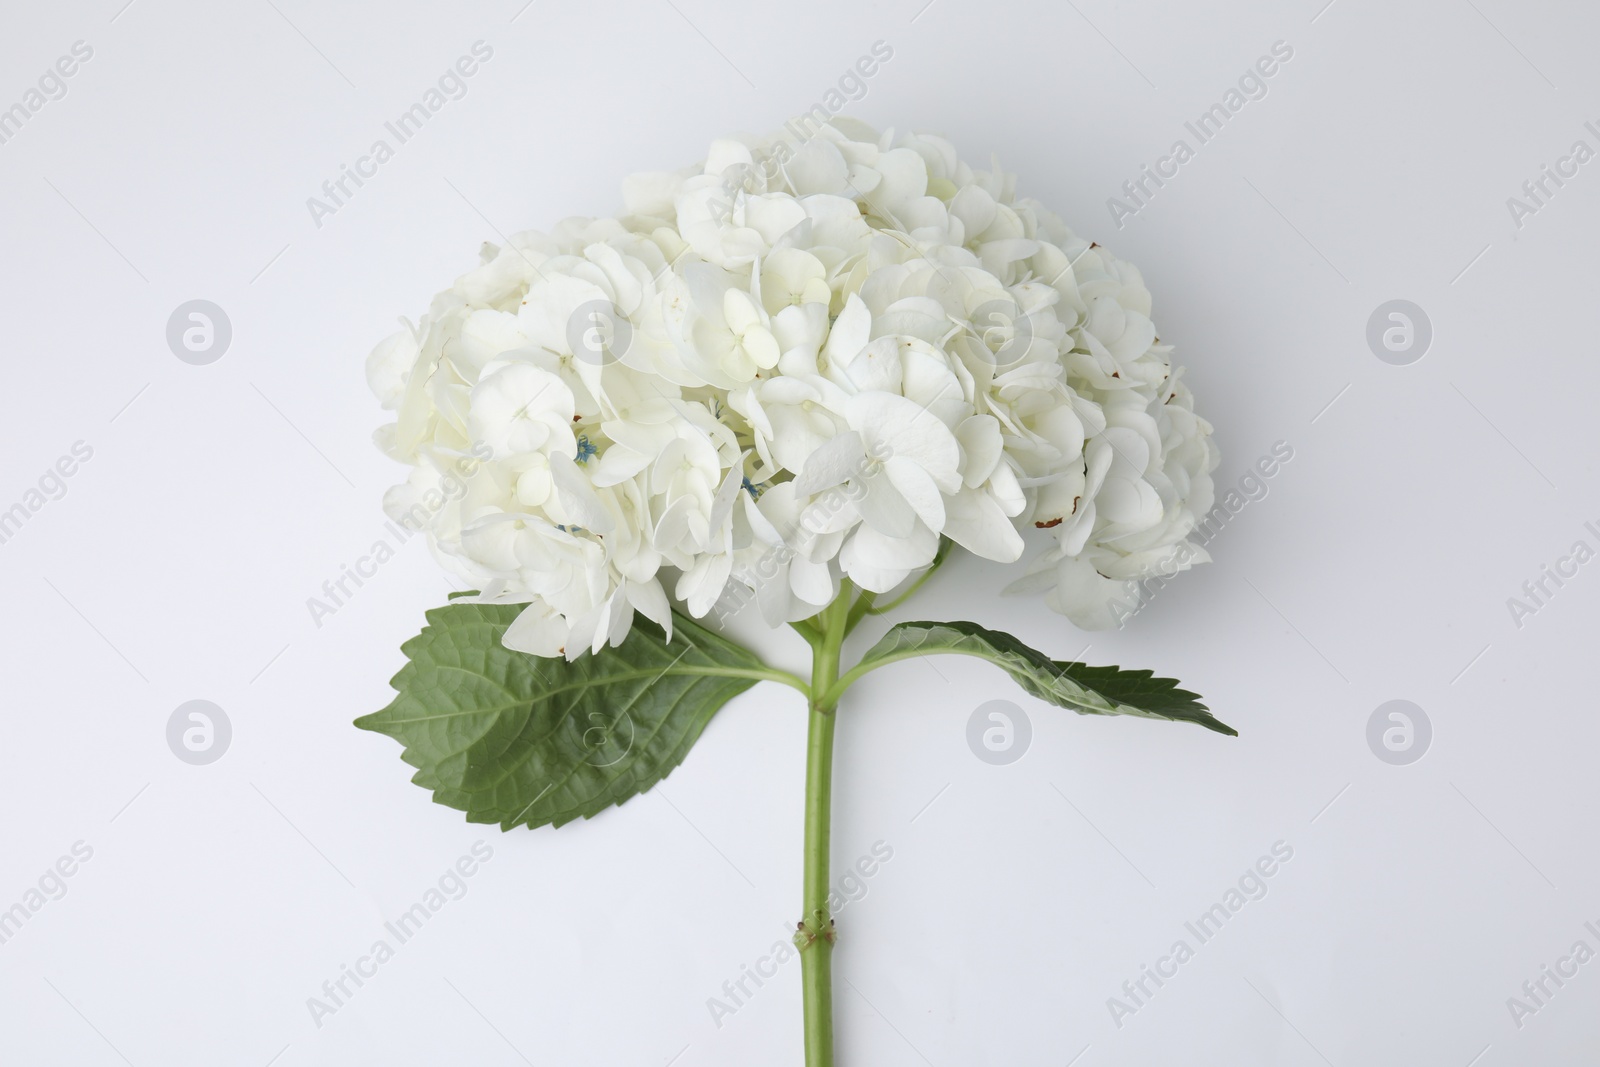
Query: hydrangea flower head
[{"x": 785, "y": 367}]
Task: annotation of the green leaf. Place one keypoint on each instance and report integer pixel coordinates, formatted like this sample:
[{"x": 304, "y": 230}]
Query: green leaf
[
  {"x": 517, "y": 739},
  {"x": 1086, "y": 690}
]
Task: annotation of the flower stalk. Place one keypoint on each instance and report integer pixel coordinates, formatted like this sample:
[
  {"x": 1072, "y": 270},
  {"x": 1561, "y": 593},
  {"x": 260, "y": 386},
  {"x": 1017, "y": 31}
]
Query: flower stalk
[
  {"x": 815, "y": 933},
  {"x": 703, "y": 671}
]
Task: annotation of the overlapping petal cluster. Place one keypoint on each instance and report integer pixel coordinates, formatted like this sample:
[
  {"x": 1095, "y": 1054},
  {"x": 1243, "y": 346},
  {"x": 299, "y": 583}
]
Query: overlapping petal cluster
[{"x": 783, "y": 367}]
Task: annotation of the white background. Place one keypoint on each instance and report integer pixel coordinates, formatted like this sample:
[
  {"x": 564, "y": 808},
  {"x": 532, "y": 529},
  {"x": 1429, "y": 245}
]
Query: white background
[{"x": 219, "y": 498}]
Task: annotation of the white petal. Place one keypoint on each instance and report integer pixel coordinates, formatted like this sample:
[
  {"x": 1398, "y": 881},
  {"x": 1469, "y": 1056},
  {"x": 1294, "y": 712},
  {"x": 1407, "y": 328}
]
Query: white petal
[
  {"x": 831, "y": 464},
  {"x": 578, "y": 497},
  {"x": 1090, "y": 600},
  {"x": 916, "y": 486},
  {"x": 883, "y": 507},
  {"x": 894, "y": 426},
  {"x": 975, "y": 521},
  {"x": 701, "y": 586},
  {"x": 390, "y": 365},
  {"x": 878, "y": 563},
  {"x": 981, "y": 448},
  {"x": 762, "y": 348},
  {"x": 850, "y": 333},
  {"x": 1129, "y": 503},
  {"x": 727, "y": 493},
  {"x": 773, "y": 595},
  {"x": 816, "y": 168},
  {"x": 651, "y": 601},
  {"x": 812, "y": 582},
  {"x": 538, "y": 631},
  {"x": 740, "y": 312}
]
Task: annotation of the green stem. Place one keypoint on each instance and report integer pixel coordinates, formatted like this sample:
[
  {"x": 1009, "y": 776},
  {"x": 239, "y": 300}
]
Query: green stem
[
  {"x": 769, "y": 674},
  {"x": 806, "y": 630},
  {"x": 858, "y": 611},
  {"x": 865, "y": 667},
  {"x": 815, "y": 934}
]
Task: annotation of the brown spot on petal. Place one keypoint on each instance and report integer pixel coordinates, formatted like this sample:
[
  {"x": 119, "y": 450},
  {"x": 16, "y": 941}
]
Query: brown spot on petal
[
  {"x": 1046, "y": 525},
  {"x": 1094, "y": 244}
]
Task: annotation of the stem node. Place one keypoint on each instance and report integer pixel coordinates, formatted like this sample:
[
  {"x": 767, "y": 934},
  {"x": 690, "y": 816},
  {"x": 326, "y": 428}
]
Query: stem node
[{"x": 807, "y": 935}]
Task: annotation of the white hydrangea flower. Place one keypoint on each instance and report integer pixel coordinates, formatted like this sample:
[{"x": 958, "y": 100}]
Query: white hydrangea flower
[{"x": 785, "y": 367}]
